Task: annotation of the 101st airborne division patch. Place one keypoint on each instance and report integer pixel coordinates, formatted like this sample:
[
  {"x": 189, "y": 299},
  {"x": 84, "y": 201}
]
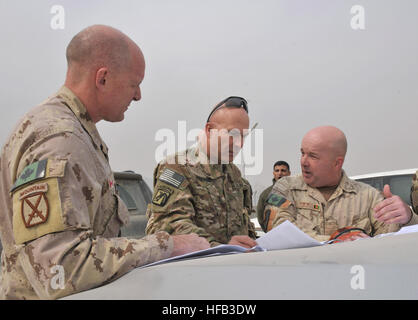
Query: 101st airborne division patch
[{"x": 161, "y": 196}]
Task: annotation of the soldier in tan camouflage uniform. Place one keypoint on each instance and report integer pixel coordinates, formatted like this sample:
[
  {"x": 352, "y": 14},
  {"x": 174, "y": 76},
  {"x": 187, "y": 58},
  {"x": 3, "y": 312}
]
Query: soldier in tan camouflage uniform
[
  {"x": 324, "y": 199},
  {"x": 414, "y": 192},
  {"x": 200, "y": 190},
  {"x": 61, "y": 215}
]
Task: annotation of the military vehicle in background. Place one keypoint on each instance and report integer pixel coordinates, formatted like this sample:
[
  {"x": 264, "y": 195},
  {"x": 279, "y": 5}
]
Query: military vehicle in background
[
  {"x": 400, "y": 182},
  {"x": 136, "y": 195}
]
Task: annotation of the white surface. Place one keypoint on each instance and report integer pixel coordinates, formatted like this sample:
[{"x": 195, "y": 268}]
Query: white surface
[
  {"x": 385, "y": 174},
  {"x": 389, "y": 265}
]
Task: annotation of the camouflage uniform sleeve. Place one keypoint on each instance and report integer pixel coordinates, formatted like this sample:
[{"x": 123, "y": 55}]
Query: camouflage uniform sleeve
[
  {"x": 414, "y": 193},
  {"x": 281, "y": 207},
  {"x": 260, "y": 209},
  {"x": 172, "y": 209},
  {"x": 68, "y": 253},
  {"x": 414, "y": 201},
  {"x": 248, "y": 207}
]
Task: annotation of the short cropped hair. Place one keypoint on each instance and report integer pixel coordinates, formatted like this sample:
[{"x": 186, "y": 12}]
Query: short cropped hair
[{"x": 281, "y": 163}]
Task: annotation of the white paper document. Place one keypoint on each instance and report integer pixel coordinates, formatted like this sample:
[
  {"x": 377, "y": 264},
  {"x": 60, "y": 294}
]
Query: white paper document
[
  {"x": 286, "y": 236},
  {"x": 403, "y": 230}
]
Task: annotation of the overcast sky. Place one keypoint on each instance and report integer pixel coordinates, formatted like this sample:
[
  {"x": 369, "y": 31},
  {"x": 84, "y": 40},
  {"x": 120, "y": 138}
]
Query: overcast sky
[{"x": 299, "y": 63}]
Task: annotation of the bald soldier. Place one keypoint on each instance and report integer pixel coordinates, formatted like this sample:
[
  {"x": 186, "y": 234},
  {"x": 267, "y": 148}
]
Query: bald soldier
[
  {"x": 323, "y": 200},
  {"x": 60, "y": 213},
  {"x": 200, "y": 190}
]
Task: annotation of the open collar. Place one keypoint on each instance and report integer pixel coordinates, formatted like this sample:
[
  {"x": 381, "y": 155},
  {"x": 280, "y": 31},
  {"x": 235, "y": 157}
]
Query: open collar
[{"x": 80, "y": 111}]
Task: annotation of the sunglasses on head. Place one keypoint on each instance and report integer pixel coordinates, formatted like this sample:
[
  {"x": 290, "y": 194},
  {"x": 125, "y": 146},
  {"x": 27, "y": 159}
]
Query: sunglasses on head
[{"x": 231, "y": 102}]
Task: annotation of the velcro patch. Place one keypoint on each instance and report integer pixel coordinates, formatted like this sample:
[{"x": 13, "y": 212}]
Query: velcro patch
[
  {"x": 171, "y": 177},
  {"x": 278, "y": 201},
  {"x": 161, "y": 196},
  {"x": 32, "y": 172},
  {"x": 40, "y": 170}
]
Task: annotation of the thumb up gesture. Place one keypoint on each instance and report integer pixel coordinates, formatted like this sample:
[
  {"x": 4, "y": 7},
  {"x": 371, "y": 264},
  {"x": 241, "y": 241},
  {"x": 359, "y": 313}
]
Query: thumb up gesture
[{"x": 392, "y": 209}]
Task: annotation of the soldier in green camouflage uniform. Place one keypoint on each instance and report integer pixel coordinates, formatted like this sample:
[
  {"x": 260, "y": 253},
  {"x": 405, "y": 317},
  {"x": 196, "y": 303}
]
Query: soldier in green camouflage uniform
[
  {"x": 280, "y": 169},
  {"x": 192, "y": 194},
  {"x": 61, "y": 215}
]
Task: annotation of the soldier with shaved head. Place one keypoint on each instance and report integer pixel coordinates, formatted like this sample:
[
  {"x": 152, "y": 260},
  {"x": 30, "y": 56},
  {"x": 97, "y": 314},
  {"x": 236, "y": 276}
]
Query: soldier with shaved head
[
  {"x": 323, "y": 201},
  {"x": 61, "y": 215}
]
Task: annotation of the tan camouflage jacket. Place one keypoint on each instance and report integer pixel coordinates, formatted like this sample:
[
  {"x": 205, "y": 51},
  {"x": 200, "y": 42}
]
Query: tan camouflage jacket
[
  {"x": 351, "y": 204},
  {"x": 190, "y": 195},
  {"x": 414, "y": 193},
  {"x": 61, "y": 215}
]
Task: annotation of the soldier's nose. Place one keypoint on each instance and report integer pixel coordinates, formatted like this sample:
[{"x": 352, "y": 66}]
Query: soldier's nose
[{"x": 137, "y": 95}]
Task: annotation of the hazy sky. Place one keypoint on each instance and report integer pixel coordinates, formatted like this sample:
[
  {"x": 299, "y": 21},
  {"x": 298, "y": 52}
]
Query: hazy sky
[{"x": 299, "y": 63}]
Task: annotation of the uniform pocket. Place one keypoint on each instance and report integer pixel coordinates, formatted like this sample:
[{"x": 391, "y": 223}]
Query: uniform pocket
[{"x": 307, "y": 219}]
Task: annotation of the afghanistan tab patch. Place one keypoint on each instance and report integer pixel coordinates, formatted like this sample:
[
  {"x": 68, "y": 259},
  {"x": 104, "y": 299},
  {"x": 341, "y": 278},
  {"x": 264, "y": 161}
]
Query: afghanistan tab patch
[
  {"x": 34, "y": 171},
  {"x": 171, "y": 177},
  {"x": 161, "y": 196},
  {"x": 278, "y": 201}
]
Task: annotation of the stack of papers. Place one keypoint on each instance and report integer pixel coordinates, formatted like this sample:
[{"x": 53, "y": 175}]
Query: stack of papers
[{"x": 286, "y": 236}]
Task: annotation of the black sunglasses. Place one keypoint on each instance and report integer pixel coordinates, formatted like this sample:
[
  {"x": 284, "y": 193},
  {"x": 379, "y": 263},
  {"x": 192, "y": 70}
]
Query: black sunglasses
[{"x": 231, "y": 102}]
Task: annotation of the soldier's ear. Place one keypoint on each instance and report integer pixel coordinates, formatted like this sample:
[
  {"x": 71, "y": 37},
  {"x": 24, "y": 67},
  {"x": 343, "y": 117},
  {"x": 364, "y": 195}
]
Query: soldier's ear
[
  {"x": 208, "y": 127},
  {"x": 101, "y": 77},
  {"x": 339, "y": 162}
]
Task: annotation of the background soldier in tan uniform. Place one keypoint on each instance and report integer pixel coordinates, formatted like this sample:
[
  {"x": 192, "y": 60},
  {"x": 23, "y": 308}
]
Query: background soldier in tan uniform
[
  {"x": 200, "y": 190},
  {"x": 414, "y": 192},
  {"x": 323, "y": 199},
  {"x": 60, "y": 212}
]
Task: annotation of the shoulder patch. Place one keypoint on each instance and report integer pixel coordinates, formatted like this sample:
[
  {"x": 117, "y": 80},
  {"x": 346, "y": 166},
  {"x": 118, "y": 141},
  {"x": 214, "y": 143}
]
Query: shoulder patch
[
  {"x": 276, "y": 200},
  {"x": 161, "y": 196},
  {"x": 171, "y": 177},
  {"x": 34, "y": 171},
  {"x": 37, "y": 210},
  {"x": 40, "y": 170},
  {"x": 34, "y": 205}
]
